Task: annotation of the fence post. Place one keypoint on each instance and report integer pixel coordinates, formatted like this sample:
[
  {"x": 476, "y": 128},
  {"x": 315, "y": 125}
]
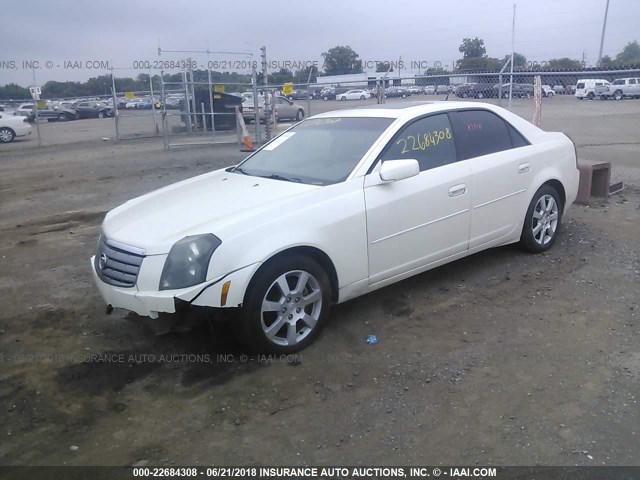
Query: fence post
[
  {"x": 116, "y": 114},
  {"x": 213, "y": 115}
]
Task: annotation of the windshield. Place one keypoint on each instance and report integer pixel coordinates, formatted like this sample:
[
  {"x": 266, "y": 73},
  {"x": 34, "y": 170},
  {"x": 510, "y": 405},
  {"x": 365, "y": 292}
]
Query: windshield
[{"x": 318, "y": 151}]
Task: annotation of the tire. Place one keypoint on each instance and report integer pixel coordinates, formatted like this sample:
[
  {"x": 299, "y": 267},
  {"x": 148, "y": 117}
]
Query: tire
[
  {"x": 591, "y": 96},
  {"x": 7, "y": 135},
  {"x": 542, "y": 221},
  {"x": 325, "y": 98},
  {"x": 343, "y": 98},
  {"x": 617, "y": 95},
  {"x": 63, "y": 117},
  {"x": 100, "y": 114},
  {"x": 361, "y": 97},
  {"x": 505, "y": 95},
  {"x": 579, "y": 98},
  {"x": 299, "y": 116},
  {"x": 480, "y": 95},
  {"x": 404, "y": 95},
  {"x": 271, "y": 322}
]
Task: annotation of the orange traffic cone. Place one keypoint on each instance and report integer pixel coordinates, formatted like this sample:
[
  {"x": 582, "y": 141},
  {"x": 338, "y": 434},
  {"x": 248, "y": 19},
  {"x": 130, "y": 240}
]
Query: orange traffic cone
[{"x": 246, "y": 138}]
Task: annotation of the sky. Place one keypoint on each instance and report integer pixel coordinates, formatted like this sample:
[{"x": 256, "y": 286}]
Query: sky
[{"x": 88, "y": 34}]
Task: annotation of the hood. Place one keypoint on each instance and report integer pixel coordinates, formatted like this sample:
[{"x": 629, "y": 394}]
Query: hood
[{"x": 208, "y": 203}]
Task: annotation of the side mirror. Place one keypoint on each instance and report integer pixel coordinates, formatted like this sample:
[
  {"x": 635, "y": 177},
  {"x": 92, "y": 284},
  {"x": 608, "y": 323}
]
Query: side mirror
[{"x": 393, "y": 170}]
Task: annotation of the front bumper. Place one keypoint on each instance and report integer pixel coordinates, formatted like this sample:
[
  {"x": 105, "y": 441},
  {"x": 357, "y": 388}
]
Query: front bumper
[{"x": 151, "y": 303}]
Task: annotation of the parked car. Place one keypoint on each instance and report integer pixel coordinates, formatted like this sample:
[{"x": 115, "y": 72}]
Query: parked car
[
  {"x": 285, "y": 110},
  {"x": 299, "y": 94},
  {"x": 12, "y": 126},
  {"x": 401, "y": 92},
  {"x": 416, "y": 90},
  {"x": 50, "y": 114},
  {"x": 591, "y": 88},
  {"x": 475, "y": 90},
  {"x": 139, "y": 104},
  {"x": 338, "y": 205},
  {"x": 442, "y": 89},
  {"x": 430, "y": 89},
  {"x": 93, "y": 109},
  {"x": 559, "y": 90},
  {"x": 625, "y": 87},
  {"x": 354, "y": 95},
  {"x": 547, "y": 91},
  {"x": 519, "y": 90}
]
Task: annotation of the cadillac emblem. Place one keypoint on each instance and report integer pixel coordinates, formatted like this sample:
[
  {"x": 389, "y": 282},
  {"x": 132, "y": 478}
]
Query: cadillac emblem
[{"x": 102, "y": 262}]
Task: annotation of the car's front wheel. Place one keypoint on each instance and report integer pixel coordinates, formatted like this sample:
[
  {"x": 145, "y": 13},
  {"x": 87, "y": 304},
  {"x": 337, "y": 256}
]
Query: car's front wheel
[
  {"x": 617, "y": 95},
  {"x": 100, "y": 114},
  {"x": 6, "y": 135},
  {"x": 542, "y": 221},
  {"x": 286, "y": 305}
]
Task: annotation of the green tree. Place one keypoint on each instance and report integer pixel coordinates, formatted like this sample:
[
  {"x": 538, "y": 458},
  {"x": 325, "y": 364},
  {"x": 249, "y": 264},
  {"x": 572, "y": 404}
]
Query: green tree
[
  {"x": 303, "y": 75},
  {"x": 281, "y": 76},
  {"x": 341, "y": 60},
  {"x": 13, "y": 91},
  {"x": 564, "y": 64},
  {"x": 384, "y": 67},
  {"x": 519, "y": 60},
  {"x": 473, "y": 48},
  {"x": 630, "y": 54}
]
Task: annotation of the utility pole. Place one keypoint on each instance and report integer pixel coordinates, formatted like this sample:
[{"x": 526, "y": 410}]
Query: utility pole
[
  {"x": 604, "y": 26},
  {"x": 267, "y": 101}
]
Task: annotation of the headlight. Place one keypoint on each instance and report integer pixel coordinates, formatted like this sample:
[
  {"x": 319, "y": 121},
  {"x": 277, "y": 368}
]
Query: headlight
[{"x": 188, "y": 261}]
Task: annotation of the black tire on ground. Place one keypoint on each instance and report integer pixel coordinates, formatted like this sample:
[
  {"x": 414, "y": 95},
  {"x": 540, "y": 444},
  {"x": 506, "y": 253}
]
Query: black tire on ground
[
  {"x": 261, "y": 285},
  {"x": 591, "y": 96},
  {"x": 325, "y": 98},
  {"x": 101, "y": 115},
  {"x": 299, "y": 115},
  {"x": 527, "y": 238},
  {"x": 361, "y": 97},
  {"x": 617, "y": 95},
  {"x": 7, "y": 135}
]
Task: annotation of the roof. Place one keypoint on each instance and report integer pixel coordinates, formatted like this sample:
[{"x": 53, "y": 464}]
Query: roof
[{"x": 401, "y": 109}]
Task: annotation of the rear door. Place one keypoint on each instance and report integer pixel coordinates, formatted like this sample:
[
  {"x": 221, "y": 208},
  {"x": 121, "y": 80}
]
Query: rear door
[{"x": 502, "y": 168}]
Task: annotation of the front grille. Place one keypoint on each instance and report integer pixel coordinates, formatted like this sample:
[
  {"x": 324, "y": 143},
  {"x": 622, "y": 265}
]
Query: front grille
[{"x": 118, "y": 264}]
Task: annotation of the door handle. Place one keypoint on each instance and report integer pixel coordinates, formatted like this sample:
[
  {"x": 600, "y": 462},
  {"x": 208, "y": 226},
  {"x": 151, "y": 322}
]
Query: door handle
[
  {"x": 524, "y": 168},
  {"x": 457, "y": 190}
]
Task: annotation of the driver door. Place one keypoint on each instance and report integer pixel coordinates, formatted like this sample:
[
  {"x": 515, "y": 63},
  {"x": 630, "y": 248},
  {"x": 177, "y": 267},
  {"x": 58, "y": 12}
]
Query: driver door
[{"x": 421, "y": 220}]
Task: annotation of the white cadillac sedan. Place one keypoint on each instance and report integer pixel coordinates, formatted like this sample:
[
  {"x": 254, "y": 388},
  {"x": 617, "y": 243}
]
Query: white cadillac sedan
[
  {"x": 12, "y": 126},
  {"x": 337, "y": 206}
]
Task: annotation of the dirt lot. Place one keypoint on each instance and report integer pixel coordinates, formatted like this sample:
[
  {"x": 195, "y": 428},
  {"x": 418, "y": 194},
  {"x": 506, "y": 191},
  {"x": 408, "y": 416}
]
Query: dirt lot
[{"x": 501, "y": 358}]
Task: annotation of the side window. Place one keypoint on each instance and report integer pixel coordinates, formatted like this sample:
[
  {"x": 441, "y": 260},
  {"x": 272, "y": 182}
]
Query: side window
[
  {"x": 632, "y": 81},
  {"x": 429, "y": 140},
  {"x": 480, "y": 132}
]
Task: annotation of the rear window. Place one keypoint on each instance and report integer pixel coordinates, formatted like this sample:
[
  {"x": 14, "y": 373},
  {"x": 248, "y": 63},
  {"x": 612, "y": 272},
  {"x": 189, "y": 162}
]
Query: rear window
[{"x": 480, "y": 132}]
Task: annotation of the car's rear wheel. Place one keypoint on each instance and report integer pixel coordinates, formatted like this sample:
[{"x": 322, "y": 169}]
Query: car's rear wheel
[
  {"x": 617, "y": 95},
  {"x": 7, "y": 135},
  {"x": 299, "y": 115},
  {"x": 286, "y": 305},
  {"x": 325, "y": 98},
  {"x": 343, "y": 98},
  {"x": 361, "y": 97},
  {"x": 542, "y": 221}
]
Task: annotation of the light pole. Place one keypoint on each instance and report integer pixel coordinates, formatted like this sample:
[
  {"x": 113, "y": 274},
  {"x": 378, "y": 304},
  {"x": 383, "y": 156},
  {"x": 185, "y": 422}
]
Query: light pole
[{"x": 604, "y": 26}]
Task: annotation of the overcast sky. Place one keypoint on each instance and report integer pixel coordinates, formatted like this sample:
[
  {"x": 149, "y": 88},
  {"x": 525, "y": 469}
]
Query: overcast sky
[{"x": 122, "y": 31}]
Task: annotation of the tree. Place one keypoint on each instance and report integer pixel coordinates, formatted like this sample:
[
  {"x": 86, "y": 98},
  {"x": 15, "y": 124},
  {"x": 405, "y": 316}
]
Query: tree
[
  {"x": 281, "y": 76},
  {"x": 303, "y": 75},
  {"x": 341, "y": 60},
  {"x": 564, "y": 64},
  {"x": 519, "y": 60},
  {"x": 630, "y": 54},
  {"x": 384, "y": 67},
  {"x": 474, "y": 56},
  {"x": 473, "y": 48},
  {"x": 14, "y": 92}
]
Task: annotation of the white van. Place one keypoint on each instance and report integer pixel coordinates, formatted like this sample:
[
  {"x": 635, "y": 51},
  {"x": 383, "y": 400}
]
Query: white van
[{"x": 592, "y": 88}]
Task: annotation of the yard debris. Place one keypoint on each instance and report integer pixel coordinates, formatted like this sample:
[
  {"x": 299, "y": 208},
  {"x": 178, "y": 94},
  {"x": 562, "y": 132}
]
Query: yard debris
[{"x": 372, "y": 339}]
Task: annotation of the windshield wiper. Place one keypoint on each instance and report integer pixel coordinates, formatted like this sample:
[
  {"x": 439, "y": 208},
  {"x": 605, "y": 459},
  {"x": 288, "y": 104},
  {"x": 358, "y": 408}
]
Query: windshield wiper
[
  {"x": 240, "y": 170},
  {"x": 276, "y": 176}
]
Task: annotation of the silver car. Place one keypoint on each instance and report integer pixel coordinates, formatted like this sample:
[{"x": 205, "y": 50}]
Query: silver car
[{"x": 285, "y": 110}]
